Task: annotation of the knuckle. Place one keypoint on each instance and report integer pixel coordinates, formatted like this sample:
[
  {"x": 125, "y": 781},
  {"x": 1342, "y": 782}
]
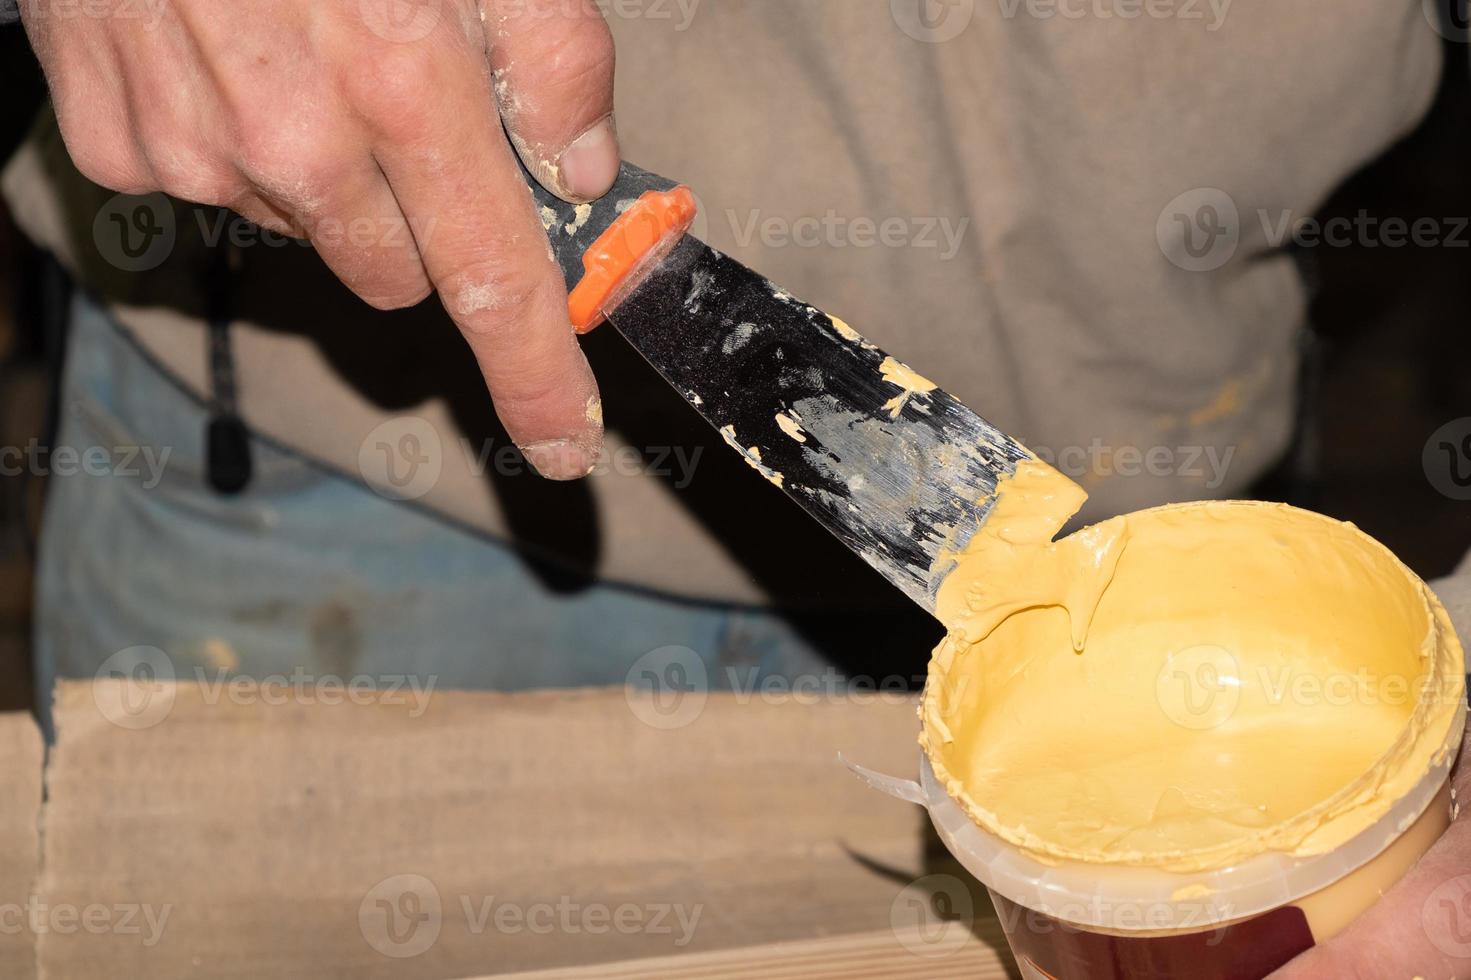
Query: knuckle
[
  {"x": 108, "y": 163},
  {"x": 383, "y": 276},
  {"x": 390, "y": 85},
  {"x": 491, "y": 299},
  {"x": 188, "y": 176},
  {"x": 294, "y": 165},
  {"x": 573, "y": 57}
]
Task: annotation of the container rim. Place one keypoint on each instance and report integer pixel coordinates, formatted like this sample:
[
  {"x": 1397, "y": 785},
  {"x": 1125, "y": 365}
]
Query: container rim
[{"x": 1134, "y": 899}]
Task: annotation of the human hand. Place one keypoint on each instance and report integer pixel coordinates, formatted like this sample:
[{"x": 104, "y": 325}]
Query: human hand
[
  {"x": 371, "y": 128},
  {"x": 1420, "y": 928}
]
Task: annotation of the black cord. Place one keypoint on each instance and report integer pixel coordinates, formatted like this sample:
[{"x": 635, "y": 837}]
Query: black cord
[{"x": 227, "y": 441}]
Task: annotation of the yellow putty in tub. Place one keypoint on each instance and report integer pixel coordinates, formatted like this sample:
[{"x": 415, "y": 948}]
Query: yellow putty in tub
[{"x": 1184, "y": 687}]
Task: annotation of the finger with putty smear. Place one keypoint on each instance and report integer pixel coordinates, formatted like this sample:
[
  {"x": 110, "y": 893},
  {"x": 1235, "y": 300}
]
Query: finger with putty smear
[{"x": 553, "y": 72}]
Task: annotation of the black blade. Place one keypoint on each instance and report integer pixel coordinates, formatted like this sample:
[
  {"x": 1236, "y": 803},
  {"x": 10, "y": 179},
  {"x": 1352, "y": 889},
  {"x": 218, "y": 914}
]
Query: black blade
[{"x": 901, "y": 474}]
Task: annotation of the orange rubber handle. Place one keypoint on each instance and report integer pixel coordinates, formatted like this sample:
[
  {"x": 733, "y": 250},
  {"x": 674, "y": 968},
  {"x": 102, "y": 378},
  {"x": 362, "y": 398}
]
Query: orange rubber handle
[{"x": 617, "y": 262}]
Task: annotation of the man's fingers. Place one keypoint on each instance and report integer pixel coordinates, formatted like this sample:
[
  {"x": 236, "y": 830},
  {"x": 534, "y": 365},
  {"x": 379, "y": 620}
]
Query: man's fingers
[
  {"x": 368, "y": 243},
  {"x": 486, "y": 252},
  {"x": 553, "y": 65}
]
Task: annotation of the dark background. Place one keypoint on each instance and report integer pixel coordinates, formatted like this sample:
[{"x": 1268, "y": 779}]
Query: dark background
[{"x": 1390, "y": 361}]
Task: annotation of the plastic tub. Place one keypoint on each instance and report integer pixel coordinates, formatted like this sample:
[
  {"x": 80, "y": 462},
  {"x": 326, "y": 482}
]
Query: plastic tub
[{"x": 1130, "y": 919}]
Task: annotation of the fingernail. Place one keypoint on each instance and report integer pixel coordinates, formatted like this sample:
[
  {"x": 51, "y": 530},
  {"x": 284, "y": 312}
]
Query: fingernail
[
  {"x": 590, "y": 164},
  {"x": 560, "y": 459}
]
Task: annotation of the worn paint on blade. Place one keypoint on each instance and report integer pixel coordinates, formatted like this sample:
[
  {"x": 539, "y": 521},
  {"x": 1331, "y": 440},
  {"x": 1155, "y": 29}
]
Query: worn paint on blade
[
  {"x": 912, "y": 470},
  {"x": 699, "y": 282},
  {"x": 849, "y": 334},
  {"x": 738, "y": 338},
  {"x": 845, "y": 331},
  {"x": 791, "y": 426},
  {"x": 579, "y": 218},
  {"x": 548, "y": 218},
  {"x": 912, "y": 382},
  {"x": 752, "y": 456}
]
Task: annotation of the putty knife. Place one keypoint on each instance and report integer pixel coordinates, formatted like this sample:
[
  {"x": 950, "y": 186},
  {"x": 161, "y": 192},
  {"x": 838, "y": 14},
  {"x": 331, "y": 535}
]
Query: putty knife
[{"x": 899, "y": 470}]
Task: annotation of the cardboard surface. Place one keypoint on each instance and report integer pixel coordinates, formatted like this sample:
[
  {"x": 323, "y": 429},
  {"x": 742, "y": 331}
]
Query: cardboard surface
[
  {"x": 475, "y": 835},
  {"x": 892, "y": 955},
  {"x": 20, "y": 789}
]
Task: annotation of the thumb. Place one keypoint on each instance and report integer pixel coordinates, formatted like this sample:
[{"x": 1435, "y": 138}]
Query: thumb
[{"x": 553, "y": 65}]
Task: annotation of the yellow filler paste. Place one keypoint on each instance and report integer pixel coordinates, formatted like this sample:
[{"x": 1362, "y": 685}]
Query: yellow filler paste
[{"x": 1182, "y": 687}]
